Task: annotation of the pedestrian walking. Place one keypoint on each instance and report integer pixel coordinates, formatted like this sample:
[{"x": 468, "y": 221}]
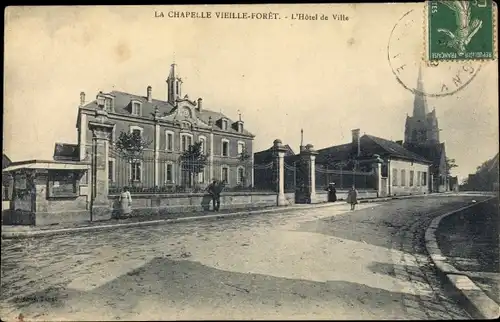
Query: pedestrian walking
[
  {"x": 215, "y": 189},
  {"x": 352, "y": 197},
  {"x": 125, "y": 202},
  {"x": 332, "y": 192}
]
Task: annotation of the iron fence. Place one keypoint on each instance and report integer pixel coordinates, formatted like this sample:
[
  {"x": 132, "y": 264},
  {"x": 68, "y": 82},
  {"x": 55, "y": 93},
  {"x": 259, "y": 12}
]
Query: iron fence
[
  {"x": 265, "y": 176},
  {"x": 344, "y": 179},
  {"x": 173, "y": 174},
  {"x": 290, "y": 177}
]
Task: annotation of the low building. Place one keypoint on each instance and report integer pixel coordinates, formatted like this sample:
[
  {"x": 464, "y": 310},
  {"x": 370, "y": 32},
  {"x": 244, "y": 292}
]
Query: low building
[{"x": 402, "y": 172}]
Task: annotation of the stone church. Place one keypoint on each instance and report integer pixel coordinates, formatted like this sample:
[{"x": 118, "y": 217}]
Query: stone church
[{"x": 422, "y": 138}]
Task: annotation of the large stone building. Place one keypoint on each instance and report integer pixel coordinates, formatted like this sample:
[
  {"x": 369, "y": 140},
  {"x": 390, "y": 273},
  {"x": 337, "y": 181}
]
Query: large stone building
[
  {"x": 171, "y": 125},
  {"x": 422, "y": 137}
]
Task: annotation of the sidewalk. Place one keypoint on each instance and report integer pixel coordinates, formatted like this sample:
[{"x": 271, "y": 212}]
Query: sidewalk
[
  {"x": 10, "y": 232},
  {"x": 468, "y": 252}
]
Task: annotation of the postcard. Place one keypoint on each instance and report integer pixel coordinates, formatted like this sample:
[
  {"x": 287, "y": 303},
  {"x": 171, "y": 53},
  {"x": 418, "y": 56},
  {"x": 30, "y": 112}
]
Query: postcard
[{"x": 242, "y": 162}]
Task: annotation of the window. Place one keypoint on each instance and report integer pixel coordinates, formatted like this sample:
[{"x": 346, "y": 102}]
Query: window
[
  {"x": 201, "y": 177},
  {"x": 241, "y": 147},
  {"x": 169, "y": 173},
  {"x": 186, "y": 142},
  {"x": 136, "y": 129},
  {"x": 203, "y": 141},
  {"x": 240, "y": 127},
  {"x": 169, "y": 141},
  {"x": 224, "y": 125},
  {"x": 62, "y": 184},
  {"x": 111, "y": 170},
  {"x": 394, "y": 177},
  {"x": 224, "y": 174},
  {"x": 136, "y": 108},
  {"x": 113, "y": 136},
  {"x": 241, "y": 176},
  {"x": 403, "y": 178},
  {"x": 412, "y": 173},
  {"x": 108, "y": 104},
  {"x": 135, "y": 170},
  {"x": 225, "y": 148},
  {"x": 418, "y": 178},
  {"x": 424, "y": 178}
]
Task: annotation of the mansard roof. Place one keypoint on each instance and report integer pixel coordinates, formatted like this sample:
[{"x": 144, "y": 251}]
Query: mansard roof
[{"x": 121, "y": 102}]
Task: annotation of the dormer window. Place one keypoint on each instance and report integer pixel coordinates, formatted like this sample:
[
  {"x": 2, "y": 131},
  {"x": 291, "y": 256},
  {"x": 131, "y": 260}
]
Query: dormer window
[
  {"x": 224, "y": 125},
  {"x": 186, "y": 125},
  {"x": 136, "y": 108},
  {"x": 240, "y": 127},
  {"x": 108, "y": 104}
]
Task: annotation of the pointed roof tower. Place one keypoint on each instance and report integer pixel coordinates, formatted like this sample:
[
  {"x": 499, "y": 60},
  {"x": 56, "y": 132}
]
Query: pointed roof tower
[
  {"x": 174, "y": 83},
  {"x": 420, "y": 109}
]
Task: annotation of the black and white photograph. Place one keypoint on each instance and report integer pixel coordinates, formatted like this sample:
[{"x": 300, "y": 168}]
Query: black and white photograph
[{"x": 251, "y": 162}]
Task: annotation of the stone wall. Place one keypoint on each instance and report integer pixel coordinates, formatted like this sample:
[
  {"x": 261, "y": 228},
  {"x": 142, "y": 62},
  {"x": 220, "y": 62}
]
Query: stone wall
[
  {"x": 147, "y": 204},
  {"x": 322, "y": 196}
]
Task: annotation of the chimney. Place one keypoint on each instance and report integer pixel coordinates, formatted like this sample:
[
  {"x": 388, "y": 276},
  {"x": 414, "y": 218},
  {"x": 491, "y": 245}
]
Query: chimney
[
  {"x": 150, "y": 94},
  {"x": 82, "y": 98},
  {"x": 356, "y": 141},
  {"x": 200, "y": 103}
]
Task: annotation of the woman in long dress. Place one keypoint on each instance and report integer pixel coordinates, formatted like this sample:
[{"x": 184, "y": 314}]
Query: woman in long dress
[
  {"x": 125, "y": 202},
  {"x": 332, "y": 192},
  {"x": 352, "y": 197}
]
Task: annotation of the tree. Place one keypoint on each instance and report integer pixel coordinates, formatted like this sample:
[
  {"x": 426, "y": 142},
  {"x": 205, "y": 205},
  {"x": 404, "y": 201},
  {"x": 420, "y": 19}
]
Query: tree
[
  {"x": 450, "y": 164},
  {"x": 244, "y": 155},
  {"x": 193, "y": 161},
  {"x": 131, "y": 145}
]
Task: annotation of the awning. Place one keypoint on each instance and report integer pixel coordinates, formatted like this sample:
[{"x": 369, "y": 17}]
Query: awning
[{"x": 45, "y": 165}]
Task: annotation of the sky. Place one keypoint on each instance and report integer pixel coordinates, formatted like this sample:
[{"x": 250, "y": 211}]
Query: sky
[{"x": 282, "y": 75}]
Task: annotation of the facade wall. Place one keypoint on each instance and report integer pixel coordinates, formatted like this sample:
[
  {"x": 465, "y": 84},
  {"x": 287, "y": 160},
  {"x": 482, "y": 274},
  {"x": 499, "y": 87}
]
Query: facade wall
[
  {"x": 150, "y": 177},
  {"x": 400, "y": 181}
]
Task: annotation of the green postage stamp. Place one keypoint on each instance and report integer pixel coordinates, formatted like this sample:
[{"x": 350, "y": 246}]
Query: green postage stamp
[{"x": 461, "y": 30}]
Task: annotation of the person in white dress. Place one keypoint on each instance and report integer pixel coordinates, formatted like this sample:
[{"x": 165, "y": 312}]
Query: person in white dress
[{"x": 125, "y": 202}]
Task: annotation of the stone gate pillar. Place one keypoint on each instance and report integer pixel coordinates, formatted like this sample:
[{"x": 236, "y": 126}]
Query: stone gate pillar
[
  {"x": 101, "y": 133},
  {"x": 308, "y": 161},
  {"x": 377, "y": 166},
  {"x": 279, "y": 151}
]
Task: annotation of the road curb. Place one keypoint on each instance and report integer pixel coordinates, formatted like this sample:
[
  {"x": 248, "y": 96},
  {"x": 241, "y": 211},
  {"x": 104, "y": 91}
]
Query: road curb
[
  {"x": 38, "y": 233},
  {"x": 478, "y": 302},
  {"x": 6, "y": 235}
]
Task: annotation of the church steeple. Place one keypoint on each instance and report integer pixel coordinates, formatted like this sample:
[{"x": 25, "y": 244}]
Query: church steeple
[
  {"x": 420, "y": 109},
  {"x": 422, "y": 127},
  {"x": 174, "y": 83}
]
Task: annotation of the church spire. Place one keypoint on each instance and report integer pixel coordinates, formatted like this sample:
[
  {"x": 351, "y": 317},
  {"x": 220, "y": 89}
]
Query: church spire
[{"x": 420, "y": 109}]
